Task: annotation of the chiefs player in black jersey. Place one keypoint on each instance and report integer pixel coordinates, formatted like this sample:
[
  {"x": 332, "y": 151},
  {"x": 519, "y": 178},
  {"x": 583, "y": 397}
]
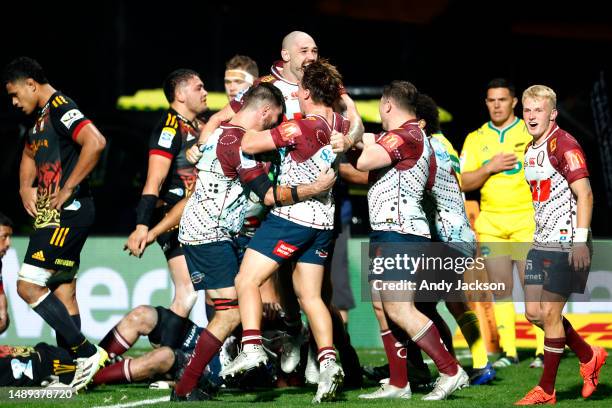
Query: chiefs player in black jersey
[{"x": 61, "y": 149}]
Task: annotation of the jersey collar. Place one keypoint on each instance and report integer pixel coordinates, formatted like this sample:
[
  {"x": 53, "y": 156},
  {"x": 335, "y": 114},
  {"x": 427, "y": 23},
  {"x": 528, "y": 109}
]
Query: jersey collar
[
  {"x": 184, "y": 119},
  {"x": 502, "y": 132},
  {"x": 552, "y": 131},
  {"x": 277, "y": 72}
]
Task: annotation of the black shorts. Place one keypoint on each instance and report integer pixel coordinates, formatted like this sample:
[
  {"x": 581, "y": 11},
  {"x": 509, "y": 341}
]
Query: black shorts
[
  {"x": 552, "y": 270},
  {"x": 168, "y": 241},
  {"x": 57, "y": 249}
]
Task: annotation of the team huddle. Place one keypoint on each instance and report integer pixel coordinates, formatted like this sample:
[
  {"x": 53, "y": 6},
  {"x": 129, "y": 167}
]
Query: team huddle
[{"x": 244, "y": 206}]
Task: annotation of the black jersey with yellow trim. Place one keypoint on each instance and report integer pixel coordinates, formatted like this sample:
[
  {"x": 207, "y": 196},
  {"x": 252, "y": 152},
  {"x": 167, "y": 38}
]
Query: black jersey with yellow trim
[
  {"x": 171, "y": 138},
  {"x": 26, "y": 366},
  {"x": 52, "y": 139}
]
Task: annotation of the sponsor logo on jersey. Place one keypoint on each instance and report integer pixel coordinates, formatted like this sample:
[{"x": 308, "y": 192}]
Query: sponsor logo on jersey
[
  {"x": 166, "y": 136},
  {"x": 37, "y": 144},
  {"x": 64, "y": 262},
  {"x": 553, "y": 144},
  {"x": 575, "y": 159},
  {"x": 39, "y": 256},
  {"x": 289, "y": 131},
  {"x": 391, "y": 141},
  {"x": 70, "y": 117},
  {"x": 177, "y": 191},
  {"x": 284, "y": 250},
  {"x": 19, "y": 369}
]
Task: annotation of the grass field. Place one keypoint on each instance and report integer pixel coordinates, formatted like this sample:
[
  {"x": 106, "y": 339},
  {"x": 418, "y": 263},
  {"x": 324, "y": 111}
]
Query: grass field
[{"x": 512, "y": 383}]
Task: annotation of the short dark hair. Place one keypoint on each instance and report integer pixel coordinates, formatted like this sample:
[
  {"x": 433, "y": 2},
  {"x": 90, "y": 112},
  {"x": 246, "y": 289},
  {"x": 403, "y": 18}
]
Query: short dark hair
[
  {"x": 243, "y": 62},
  {"x": 403, "y": 93},
  {"x": 502, "y": 83},
  {"x": 323, "y": 81},
  {"x": 175, "y": 79},
  {"x": 23, "y": 68},
  {"x": 264, "y": 92},
  {"x": 5, "y": 221},
  {"x": 427, "y": 109}
]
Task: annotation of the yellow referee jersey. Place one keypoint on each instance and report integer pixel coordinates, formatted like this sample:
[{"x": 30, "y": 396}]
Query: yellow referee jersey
[{"x": 506, "y": 191}]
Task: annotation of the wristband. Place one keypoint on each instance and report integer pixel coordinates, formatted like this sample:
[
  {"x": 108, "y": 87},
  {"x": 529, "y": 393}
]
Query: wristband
[
  {"x": 581, "y": 235},
  {"x": 294, "y": 194},
  {"x": 145, "y": 208}
]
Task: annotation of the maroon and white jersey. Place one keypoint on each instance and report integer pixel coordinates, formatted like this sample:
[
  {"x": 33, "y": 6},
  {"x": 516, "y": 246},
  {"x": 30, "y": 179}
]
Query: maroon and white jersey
[
  {"x": 396, "y": 192},
  {"x": 308, "y": 153},
  {"x": 550, "y": 167},
  {"x": 216, "y": 209},
  {"x": 288, "y": 89}
]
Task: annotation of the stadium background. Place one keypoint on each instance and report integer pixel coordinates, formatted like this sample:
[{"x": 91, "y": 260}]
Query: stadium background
[{"x": 449, "y": 49}]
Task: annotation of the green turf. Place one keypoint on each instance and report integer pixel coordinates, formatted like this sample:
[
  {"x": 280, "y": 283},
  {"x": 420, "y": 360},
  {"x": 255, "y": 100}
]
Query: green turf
[{"x": 512, "y": 384}]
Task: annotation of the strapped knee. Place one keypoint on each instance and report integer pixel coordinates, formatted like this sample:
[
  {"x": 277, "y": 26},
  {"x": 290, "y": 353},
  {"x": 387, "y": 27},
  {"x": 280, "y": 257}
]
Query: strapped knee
[
  {"x": 34, "y": 274},
  {"x": 225, "y": 304}
]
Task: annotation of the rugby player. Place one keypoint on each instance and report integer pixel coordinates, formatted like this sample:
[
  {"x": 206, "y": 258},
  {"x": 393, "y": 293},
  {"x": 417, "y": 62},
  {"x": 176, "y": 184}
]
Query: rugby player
[
  {"x": 399, "y": 160},
  {"x": 215, "y": 213},
  {"x": 299, "y": 232},
  {"x": 170, "y": 177},
  {"x": 6, "y": 231},
  {"x": 491, "y": 161},
  {"x": 240, "y": 74},
  {"x": 61, "y": 150},
  {"x": 24, "y": 366},
  {"x": 559, "y": 261}
]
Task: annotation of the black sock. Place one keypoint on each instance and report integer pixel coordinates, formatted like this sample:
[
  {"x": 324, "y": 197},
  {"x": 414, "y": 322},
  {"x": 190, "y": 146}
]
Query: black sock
[
  {"x": 173, "y": 331},
  {"x": 210, "y": 312},
  {"x": 55, "y": 314},
  {"x": 61, "y": 341}
]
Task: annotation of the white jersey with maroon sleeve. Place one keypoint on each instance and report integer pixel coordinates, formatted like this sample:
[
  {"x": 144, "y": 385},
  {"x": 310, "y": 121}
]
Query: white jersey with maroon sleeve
[
  {"x": 289, "y": 90},
  {"x": 308, "y": 153},
  {"x": 450, "y": 219},
  {"x": 396, "y": 192},
  {"x": 216, "y": 209},
  {"x": 550, "y": 167}
]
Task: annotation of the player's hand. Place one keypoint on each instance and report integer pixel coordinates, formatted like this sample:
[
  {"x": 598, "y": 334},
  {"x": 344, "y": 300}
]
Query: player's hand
[
  {"x": 60, "y": 197},
  {"x": 502, "y": 162},
  {"x": 580, "y": 257},
  {"x": 28, "y": 198},
  {"x": 193, "y": 154},
  {"x": 271, "y": 311},
  {"x": 339, "y": 142},
  {"x": 325, "y": 181},
  {"x": 137, "y": 241}
]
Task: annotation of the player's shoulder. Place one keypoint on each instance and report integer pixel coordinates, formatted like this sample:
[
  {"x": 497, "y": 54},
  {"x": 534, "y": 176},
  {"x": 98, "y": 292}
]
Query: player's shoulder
[
  {"x": 267, "y": 78},
  {"x": 231, "y": 135},
  {"x": 561, "y": 141},
  {"x": 168, "y": 119},
  {"x": 61, "y": 102}
]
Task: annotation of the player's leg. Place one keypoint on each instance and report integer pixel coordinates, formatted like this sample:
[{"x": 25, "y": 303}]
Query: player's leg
[
  {"x": 140, "y": 321},
  {"x": 66, "y": 293},
  {"x": 398, "y": 386},
  {"x": 147, "y": 366},
  {"x": 185, "y": 295}
]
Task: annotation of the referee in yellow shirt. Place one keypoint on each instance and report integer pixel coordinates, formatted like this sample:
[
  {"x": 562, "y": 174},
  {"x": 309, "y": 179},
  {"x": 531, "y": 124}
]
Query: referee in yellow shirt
[{"x": 492, "y": 161}]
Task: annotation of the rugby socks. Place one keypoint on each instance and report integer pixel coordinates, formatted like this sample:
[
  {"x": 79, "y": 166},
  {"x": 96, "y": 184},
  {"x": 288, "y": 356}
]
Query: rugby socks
[
  {"x": 553, "y": 351},
  {"x": 56, "y": 315},
  {"x": 174, "y": 330},
  {"x": 396, "y": 355},
  {"x": 61, "y": 341},
  {"x": 114, "y": 343},
  {"x": 117, "y": 373},
  {"x": 325, "y": 353},
  {"x": 206, "y": 347},
  {"x": 430, "y": 310},
  {"x": 252, "y": 336},
  {"x": 539, "y": 335},
  {"x": 470, "y": 328},
  {"x": 506, "y": 326},
  {"x": 428, "y": 339},
  {"x": 577, "y": 343}
]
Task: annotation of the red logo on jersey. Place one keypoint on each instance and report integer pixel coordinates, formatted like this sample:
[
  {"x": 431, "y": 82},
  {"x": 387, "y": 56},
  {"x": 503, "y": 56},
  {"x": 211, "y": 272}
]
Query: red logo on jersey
[
  {"x": 284, "y": 250},
  {"x": 289, "y": 131},
  {"x": 540, "y": 191},
  {"x": 391, "y": 141},
  {"x": 575, "y": 159}
]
